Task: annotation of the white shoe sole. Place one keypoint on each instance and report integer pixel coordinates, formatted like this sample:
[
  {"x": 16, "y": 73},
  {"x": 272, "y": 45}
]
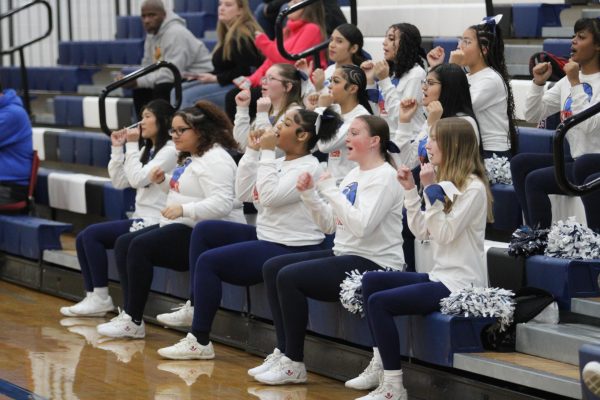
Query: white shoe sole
[
  {"x": 188, "y": 357},
  {"x": 124, "y": 335},
  {"x": 68, "y": 312},
  {"x": 169, "y": 324},
  {"x": 361, "y": 387},
  {"x": 282, "y": 382}
]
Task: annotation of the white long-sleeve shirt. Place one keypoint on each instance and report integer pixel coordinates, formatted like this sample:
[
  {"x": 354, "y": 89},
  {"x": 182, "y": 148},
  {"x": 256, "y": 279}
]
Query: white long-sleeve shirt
[
  {"x": 126, "y": 170},
  {"x": 365, "y": 213},
  {"x": 457, "y": 237},
  {"x": 409, "y": 145},
  {"x": 338, "y": 163},
  {"x": 583, "y": 138},
  {"x": 408, "y": 87},
  {"x": 242, "y": 124},
  {"x": 205, "y": 189},
  {"x": 270, "y": 183},
  {"x": 490, "y": 102}
]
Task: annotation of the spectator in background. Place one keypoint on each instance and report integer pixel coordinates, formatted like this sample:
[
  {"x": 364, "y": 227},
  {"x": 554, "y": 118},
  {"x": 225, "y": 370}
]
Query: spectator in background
[
  {"x": 234, "y": 55},
  {"x": 167, "y": 39},
  {"x": 16, "y": 148}
]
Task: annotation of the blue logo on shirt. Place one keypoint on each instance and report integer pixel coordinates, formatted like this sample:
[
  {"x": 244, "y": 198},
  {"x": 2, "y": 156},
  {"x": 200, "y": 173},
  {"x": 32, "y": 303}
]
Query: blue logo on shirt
[
  {"x": 350, "y": 192},
  {"x": 567, "y": 111}
]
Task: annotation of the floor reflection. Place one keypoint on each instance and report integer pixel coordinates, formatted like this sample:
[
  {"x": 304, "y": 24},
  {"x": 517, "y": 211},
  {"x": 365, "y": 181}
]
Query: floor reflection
[{"x": 279, "y": 393}]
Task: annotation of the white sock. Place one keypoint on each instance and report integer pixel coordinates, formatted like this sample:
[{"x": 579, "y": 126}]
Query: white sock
[
  {"x": 377, "y": 356},
  {"x": 393, "y": 377},
  {"x": 88, "y": 294},
  {"x": 102, "y": 292}
]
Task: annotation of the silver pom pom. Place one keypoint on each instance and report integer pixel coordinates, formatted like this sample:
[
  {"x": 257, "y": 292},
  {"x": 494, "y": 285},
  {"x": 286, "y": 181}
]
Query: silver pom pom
[
  {"x": 498, "y": 170},
  {"x": 351, "y": 291},
  {"x": 137, "y": 225},
  {"x": 481, "y": 302},
  {"x": 572, "y": 240}
]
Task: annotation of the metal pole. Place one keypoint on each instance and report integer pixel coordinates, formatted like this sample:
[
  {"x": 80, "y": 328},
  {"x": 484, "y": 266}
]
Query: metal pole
[
  {"x": 70, "y": 20},
  {"x": 24, "y": 82},
  {"x": 489, "y": 8}
]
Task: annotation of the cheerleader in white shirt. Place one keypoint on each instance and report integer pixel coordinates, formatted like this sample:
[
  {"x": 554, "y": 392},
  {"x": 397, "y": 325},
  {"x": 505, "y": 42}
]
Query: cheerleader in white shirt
[
  {"x": 457, "y": 207},
  {"x": 398, "y": 76},
  {"x": 481, "y": 50},
  {"x": 235, "y": 253},
  {"x": 365, "y": 213},
  {"x": 130, "y": 169},
  {"x": 200, "y": 188},
  {"x": 533, "y": 174}
]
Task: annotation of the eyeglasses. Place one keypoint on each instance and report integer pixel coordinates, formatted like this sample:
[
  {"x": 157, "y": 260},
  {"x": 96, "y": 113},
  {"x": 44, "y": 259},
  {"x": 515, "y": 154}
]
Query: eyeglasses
[
  {"x": 429, "y": 82},
  {"x": 267, "y": 79},
  {"x": 466, "y": 42},
  {"x": 178, "y": 132}
]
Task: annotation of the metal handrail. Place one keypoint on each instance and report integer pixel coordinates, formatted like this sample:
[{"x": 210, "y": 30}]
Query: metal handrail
[
  {"x": 133, "y": 76},
  {"x": 19, "y": 48},
  {"x": 314, "y": 51},
  {"x": 559, "y": 149}
]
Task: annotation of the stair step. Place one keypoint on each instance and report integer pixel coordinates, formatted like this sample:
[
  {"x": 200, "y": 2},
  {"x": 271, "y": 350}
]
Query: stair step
[
  {"x": 557, "y": 31},
  {"x": 64, "y": 258},
  {"x": 589, "y": 306},
  {"x": 556, "y": 342},
  {"x": 523, "y": 369}
]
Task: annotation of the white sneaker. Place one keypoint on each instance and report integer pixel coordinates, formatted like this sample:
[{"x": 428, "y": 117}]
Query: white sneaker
[
  {"x": 181, "y": 316},
  {"x": 387, "y": 391},
  {"x": 370, "y": 378},
  {"x": 188, "y": 348},
  {"x": 282, "y": 372},
  {"x": 123, "y": 349},
  {"x": 91, "y": 306},
  {"x": 271, "y": 360},
  {"x": 591, "y": 377},
  {"x": 187, "y": 371},
  {"x": 279, "y": 393},
  {"x": 122, "y": 326}
]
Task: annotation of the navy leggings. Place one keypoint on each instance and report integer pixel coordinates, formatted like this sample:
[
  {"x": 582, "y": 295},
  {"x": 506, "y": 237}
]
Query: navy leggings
[
  {"x": 232, "y": 253},
  {"x": 291, "y": 279},
  {"x": 91, "y": 245},
  {"x": 533, "y": 179},
  {"x": 138, "y": 252},
  {"x": 388, "y": 294}
]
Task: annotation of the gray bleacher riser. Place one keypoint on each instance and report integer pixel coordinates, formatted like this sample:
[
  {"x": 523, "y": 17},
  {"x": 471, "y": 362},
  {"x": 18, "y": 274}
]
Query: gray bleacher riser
[
  {"x": 474, "y": 363},
  {"x": 557, "y": 31},
  {"x": 555, "y": 342},
  {"x": 590, "y": 13},
  {"x": 586, "y": 307},
  {"x": 518, "y": 70},
  {"x": 520, "y": 53}
]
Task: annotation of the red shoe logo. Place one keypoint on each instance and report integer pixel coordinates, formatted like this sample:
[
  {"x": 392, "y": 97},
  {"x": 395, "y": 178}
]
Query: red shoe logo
[
  {"x": 388, "y": 395},
  {"x": 193, "y": 348},
  {"x": 127, "y": 328},
  {"x": 289, "y": 372}
]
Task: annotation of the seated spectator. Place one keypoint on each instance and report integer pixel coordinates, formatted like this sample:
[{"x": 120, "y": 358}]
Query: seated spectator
[
  {"x": 167, "y": 39},
  {"x": 234, "y": 55},
  {"x": 533, "y": 174},
  {"x": 132, "y": 169},
  {"x": 16, "y": 148},
  {"x": 200, "y": 188}
]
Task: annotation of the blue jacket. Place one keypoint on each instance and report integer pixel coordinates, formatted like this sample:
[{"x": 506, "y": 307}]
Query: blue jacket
[{"x": 16, "y": 147}]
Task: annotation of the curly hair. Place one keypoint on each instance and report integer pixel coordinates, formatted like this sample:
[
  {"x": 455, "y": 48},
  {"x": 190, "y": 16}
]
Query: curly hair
[
  {"x": 409, "y": 50},
  {"x": 210, "y": 125}
]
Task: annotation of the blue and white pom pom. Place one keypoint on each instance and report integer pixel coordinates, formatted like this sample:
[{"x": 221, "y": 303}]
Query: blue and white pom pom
[
  {"x": 498, "y": 170},
  {"x": 137, "y": 225},
  {"x": 572, "y": 240},
  {"x": 351, "y": 291},
  {"x": 481, "y": 302}
]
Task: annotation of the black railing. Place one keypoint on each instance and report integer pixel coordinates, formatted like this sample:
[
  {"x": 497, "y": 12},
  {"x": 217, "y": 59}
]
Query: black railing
[
  {"x": 559, "y": 149},
  {"x": 132, "y": 77},
  {"x": 19, "y": 48}
]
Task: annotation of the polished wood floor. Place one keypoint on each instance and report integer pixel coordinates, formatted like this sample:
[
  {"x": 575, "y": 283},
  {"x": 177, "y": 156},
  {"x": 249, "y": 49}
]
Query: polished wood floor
[{"x": 64, "y": 358}]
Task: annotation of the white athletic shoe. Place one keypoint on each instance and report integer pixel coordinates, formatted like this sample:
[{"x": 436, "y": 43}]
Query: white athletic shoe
[
  {"x": 188, "y": 348},
  {"x": 591, "y": 377},
  {"x": 123, "y": 349},
  {"x": 122, "y": 326},
  {"x": 369, "y": 379},
  {"x": 181, "y": 316},
  {"x": 282, "y": 372},
  {"x": 279, "y": 393},
  {"x": 271, "y": 360},
  {"x": 387, "y": 391},
  {"x": 187, "y": 371},
  {"x": 91, "y": 306}
]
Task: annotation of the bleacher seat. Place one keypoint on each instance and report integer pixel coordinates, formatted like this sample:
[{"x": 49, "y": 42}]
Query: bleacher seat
[
  {"x": 68, "y": 110},
  {"x": 508, "y": 215},
  {"x": 447, "y": 43},
  {"x": 528, "y": 19},
  {"x": 534, "y": 140},
  {"x": 564, "y": 278},
  {"x": 27, "y": 236},
  {"x": 559, "y": 47},
  {"x": 118, "y": 202},
  {"x": 59, "y": 79},
  {"x": 119, "y": 51}
]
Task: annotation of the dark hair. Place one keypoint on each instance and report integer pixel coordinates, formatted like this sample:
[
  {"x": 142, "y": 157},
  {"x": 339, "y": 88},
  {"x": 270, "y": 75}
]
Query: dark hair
[
  {"x": 592, "y": 25},
  {"x": 409, "y": 50},
  {"x": 353, "y": 35},
  {"x": 210, "y": 124},
  {"x": 378, "y": 127},
  {"x": 290, "y": 75},
  {"x": 330, "y": 123},
  {"x": 163, "y": 113},
  {"x": 354, "y": 75},
  {"x": 489, "y": 37}
]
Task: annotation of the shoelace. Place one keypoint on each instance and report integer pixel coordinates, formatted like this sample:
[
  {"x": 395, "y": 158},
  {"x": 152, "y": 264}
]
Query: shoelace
[
  {"x": 372, "y": 367},
  {"x": 181, "y": 307},
  {"x": 119, "y": 316},
  {"x": 270, "y": 358}
]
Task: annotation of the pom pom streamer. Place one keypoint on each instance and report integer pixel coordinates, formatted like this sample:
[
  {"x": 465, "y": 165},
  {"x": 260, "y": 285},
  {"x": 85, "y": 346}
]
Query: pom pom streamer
[
  {"x": 527, "y": 242},
  {"x": 572, "y": 240},
  {"x": 351, "y": 291},
  {"x": 138, "y": 224},
  {"x": 481, "y": 302},
  {"x": 498, "y": 170}
]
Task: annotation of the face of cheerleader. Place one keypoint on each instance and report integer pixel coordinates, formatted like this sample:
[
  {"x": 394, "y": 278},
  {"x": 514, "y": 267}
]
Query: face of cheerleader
[
  {"x": 183, "y": 135},
  {"x": 432, "y": 88},
  {"x": 149, "y": 125},
  {"x": 273, "y": 85},
  {"x": 359, "y": 142},
  {"x": 296, "y": 14},
  {"x": 228, "y": 11},
  {"x": 583, "y": 48},
  {"x": 287, "y": 138},
  {"x": 470, "y": 48},
  {"x": 339, "y": 88},
  {"x": 340, "y": 49},
  {"x": 391, "y": 43},
  {"x": 433, "y": 151}
]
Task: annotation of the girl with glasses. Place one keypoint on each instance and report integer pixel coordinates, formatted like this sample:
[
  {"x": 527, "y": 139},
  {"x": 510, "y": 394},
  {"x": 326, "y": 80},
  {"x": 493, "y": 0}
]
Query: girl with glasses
[
  {"x": 200, "y": 188},
  {"x": 147, "y": 147}
]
